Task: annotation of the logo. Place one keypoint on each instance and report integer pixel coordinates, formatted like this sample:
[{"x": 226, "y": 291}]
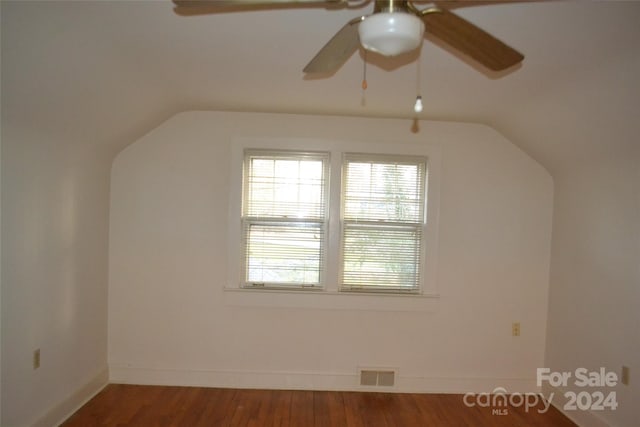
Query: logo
[
  {"x": 587, "y": 399},
  {"x": 591, "y": 394},
  {"x": 499, "y": 401}
]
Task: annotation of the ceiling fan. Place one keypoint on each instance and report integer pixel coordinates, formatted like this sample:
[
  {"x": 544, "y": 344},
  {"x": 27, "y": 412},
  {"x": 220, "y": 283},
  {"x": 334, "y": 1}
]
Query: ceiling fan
[{"x": 394, "y": 27}]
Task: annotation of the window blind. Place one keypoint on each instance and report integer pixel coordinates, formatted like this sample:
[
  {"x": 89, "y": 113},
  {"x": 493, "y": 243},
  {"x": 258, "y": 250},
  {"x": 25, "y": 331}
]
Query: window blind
[
  {"x": 284, "y": 218},
  {"x": 383, "y": 212}
]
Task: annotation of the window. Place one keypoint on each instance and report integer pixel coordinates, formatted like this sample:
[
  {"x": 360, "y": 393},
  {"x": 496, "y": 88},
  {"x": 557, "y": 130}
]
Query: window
[
  {"x": 376, "y": 233},
  {"x": 284, "y": 218},
  {"x": 383, "y": 213}
]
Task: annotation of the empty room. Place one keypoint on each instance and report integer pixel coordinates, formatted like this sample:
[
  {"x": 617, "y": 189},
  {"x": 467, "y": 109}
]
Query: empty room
[{"x": 320, "y": 213}]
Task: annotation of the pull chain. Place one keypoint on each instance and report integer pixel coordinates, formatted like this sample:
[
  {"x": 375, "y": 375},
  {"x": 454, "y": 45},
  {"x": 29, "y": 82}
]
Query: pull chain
[
  {"x": 364, "y": 73},
  {"x": 363, "y": 100},
  {"x": 417, "y": 107}
]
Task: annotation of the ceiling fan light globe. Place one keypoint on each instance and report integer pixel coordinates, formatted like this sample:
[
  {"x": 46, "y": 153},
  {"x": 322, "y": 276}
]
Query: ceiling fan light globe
[{"x": 391, "y": 34}]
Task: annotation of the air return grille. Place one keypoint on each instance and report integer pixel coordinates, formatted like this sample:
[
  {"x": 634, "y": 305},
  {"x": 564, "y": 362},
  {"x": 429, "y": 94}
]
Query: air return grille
[{"x": 377, "y": 378}]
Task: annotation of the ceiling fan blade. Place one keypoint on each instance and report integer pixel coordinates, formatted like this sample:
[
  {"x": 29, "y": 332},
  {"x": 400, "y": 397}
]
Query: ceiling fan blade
[
  {"x": 469, "y": 39},
  {"x": 456, "y": 4},
  {"x": 337, "y": 50},
  {"x": 227, "y": 3},
  {"x": 206, "y": 7}
]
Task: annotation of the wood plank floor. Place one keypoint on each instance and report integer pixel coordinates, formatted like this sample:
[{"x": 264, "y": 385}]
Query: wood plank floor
[{"x": 142, "y": 406}]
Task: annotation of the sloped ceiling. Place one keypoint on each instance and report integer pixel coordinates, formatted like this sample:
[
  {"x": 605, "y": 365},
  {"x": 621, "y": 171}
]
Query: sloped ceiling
[{"x": 103, "y": 73}]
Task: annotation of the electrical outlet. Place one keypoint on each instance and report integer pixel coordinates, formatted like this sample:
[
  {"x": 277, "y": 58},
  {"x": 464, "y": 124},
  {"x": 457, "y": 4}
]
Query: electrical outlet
[
  {"x": 624, "y": 377},
  {"x": 36, "y": 358},
  {"x": 515, "y": 329}
]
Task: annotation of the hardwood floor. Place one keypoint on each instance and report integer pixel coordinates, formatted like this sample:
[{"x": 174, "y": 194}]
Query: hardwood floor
[{"x": 142, "y": 406}]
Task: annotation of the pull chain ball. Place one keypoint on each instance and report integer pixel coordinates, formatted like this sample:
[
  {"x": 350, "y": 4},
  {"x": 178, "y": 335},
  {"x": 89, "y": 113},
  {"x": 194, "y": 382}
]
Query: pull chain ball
[
  {"x": 363, "y": 99},
  {"x": 418, "y": 105}
]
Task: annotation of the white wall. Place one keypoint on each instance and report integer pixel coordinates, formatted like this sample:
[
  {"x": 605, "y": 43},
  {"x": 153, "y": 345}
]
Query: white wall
[
  {"x": 54, "y": 275},
  {"x": 585, "y": 131},
  {"x": 171, "y": 322},
  {"x": 63, "y": 119},
  {"x": 1, "y": 287},
  {"x": 595, "y": 292}
]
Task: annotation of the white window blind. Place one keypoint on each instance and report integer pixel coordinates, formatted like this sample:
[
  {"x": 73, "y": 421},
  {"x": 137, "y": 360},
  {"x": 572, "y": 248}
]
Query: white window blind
[
  {"x": 284, "y": 218},
  {"x": 383, "y": 213}
]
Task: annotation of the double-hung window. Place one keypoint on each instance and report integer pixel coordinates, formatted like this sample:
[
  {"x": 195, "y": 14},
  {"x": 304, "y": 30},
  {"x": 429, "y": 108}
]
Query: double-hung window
[
  {"x": 377, "y": 240},
  {"x": 383, "y": 217},
  {"x": 284, "y": 218}
]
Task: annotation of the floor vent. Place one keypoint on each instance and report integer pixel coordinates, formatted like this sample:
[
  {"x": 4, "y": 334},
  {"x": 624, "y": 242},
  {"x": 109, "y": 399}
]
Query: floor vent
[{"x": 383, "y": 378}]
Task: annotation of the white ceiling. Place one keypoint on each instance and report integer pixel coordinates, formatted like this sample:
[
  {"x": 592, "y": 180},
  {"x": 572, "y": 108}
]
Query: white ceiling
[{"x": 104, "y": 72}]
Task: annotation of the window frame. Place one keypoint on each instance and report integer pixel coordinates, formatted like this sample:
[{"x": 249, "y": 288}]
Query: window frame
[
  {"x": 418, "y": 227},
  {"x": 330, "y": 298},
  {"x": 247, "y": 221}
]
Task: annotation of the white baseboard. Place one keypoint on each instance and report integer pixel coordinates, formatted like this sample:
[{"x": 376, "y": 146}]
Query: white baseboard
[
  {"x": 63, "y": 410},
  {"x": 278, "y": 380},
  {"x": 582, "y": 418}
]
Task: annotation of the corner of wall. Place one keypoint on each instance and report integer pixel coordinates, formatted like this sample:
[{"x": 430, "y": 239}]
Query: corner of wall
[
  {"x": 581, "y": 418},
  {"x": 68, "y": 406}
]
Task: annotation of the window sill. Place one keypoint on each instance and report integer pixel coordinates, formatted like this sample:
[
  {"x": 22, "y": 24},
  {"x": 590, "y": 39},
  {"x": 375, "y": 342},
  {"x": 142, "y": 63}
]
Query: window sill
[{"x": 326, "y": 300}]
